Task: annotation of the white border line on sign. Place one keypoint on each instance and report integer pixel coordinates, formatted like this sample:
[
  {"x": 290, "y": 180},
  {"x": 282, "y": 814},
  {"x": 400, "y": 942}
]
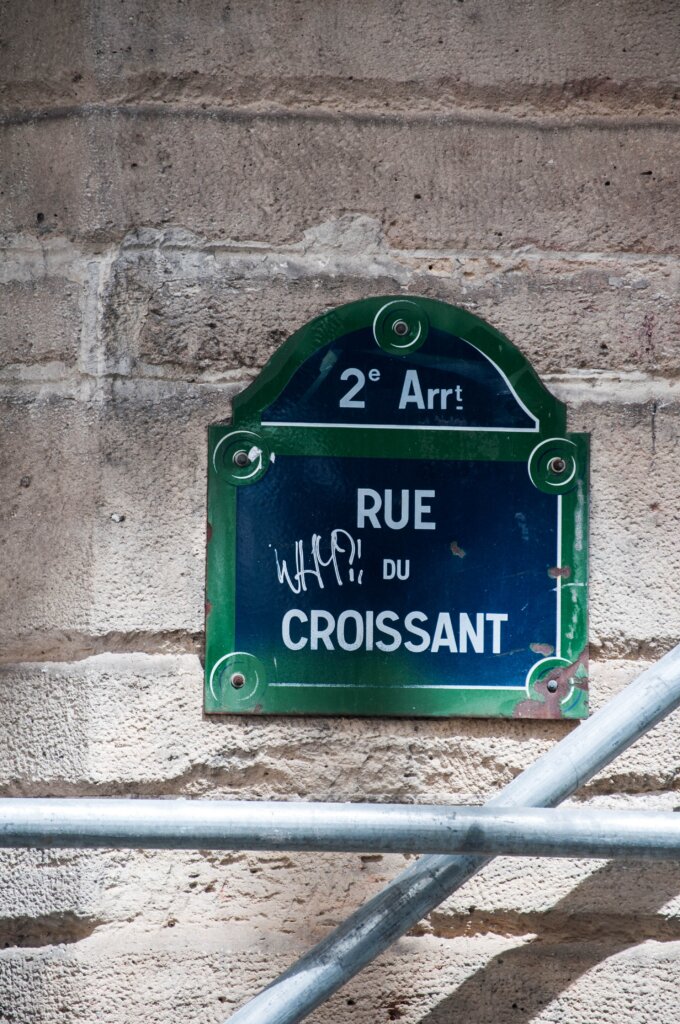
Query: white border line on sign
[
  {"x": 397, "y": 426},
  {"x": 558, "y": 634},
  {"x": 448, "y": 686},
  {"x": 398, "y": 686}
]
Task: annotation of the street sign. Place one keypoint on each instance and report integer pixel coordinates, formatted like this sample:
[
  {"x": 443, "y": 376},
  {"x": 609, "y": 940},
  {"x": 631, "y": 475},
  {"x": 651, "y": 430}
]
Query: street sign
[{"x": 397, "y": 525}]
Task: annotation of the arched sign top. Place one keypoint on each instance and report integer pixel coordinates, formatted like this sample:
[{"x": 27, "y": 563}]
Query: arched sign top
[
  {"x": 448, "y": 370},
  {"x": 397, "y": 526}
]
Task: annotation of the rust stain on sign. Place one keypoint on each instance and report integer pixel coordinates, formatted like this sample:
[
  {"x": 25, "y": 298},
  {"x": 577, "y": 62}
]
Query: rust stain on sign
[
  {"x": 545, "y": 649},
  {"x": 552, "y": 689},
  {"x": 456, "y": 550},
  {"x": 559, "y": 571}
]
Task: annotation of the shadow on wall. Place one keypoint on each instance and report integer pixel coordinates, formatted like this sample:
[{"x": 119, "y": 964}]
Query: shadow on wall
[{"x": 518, "y": 983}]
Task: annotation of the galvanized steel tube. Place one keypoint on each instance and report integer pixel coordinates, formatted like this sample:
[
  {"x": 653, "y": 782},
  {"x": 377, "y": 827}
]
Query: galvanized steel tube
[
  {"x": 384, "y": 828},
  {"x": 416, "y": 891}
]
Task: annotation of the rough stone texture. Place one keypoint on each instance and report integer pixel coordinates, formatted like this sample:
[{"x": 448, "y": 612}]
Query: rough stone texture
[
  {"x": 132, "y": 724},
  {"x": 530, "y": 54},
  {"x": 46, "y": 318},
  {"x": 635, "y": 506},
  {"x": 478, "y": 185},
  {"x": 486, "y": 980},
  {"x": 60, "y": 898},
  {"x": 177, "y": 306},
  {"x": 421, "y": 981},
  {"x": 103, "y": 487},
  {"x": 184, "y": 185}
]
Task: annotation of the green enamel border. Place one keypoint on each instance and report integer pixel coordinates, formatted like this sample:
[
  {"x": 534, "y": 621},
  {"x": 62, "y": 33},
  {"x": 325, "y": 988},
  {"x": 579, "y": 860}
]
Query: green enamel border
[{"x": 571, "y": 698}]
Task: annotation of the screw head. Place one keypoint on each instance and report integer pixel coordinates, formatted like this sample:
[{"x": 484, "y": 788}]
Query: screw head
[
  {"x": 237, "y": 680},
  {"x": 557, "y": 465},
  {"x": 400, "y": 327},
  {"x": 552, "y": 686},
  {"x": 241, "y": 459}
]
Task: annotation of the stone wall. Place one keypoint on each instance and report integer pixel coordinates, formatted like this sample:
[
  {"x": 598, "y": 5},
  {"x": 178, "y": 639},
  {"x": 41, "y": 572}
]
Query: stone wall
[{"x": 182, "y": 185}]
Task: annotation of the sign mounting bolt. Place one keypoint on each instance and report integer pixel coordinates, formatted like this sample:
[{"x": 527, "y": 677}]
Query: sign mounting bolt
[
  {"x": 241, "y": 459},
  {"x": 557, "y": 465},
  {"x": 400, "y": 327},
  {"x": 237, "y": 680}
]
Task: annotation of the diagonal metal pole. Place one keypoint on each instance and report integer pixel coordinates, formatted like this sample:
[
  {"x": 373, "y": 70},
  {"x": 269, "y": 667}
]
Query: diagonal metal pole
[{"x": 419, "y": 889}]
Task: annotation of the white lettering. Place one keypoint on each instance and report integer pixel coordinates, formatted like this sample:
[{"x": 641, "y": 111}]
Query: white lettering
[
  {"x": 495, "y": 618},
  {"x": 389, "y": 568},
  {"x": 370, "y": 503},
  {"x": 466, "y": 632},
  {"x": 343, "y": 642},
  {"x": 411, "y": 390},
  {"x": 421, "y": 509},
  {"x": 443, "y": 634},
  {"x": 369, "y": 631},
  {"x": 390, "y": 521},
  {"x": 354, "y": 630},
  {"x": 380, "y": 622},
  {"x": 363, "y": 512},
  {"x": 338, "y": 547},
  {"x": 318, "y": 633},
  {"x": 350, "y": 401},
  {"x": 293, "y": 645},
  {"x": 409, "y": 622}
]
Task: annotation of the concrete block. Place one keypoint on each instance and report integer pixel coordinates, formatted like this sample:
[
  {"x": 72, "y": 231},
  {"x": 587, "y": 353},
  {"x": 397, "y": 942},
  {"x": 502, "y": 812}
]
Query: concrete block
[
  {"x": 480, "y": 185},
  {"x": 441, "y": 55},
  {"x": 38, "y": 324},
  {"x": 104, "y": 495},
  {"x": 176, "y": 306},
  {"x": 48, "y": 496},
  {"x": 45, "y": 306},
  {"x": 116, "y": 480},
  {"x": 635, "y": 488},
  {"x": 50, "y": 896},
  {"x": 585, "y": 313},
  {"x": 133, "y": 724},
  {"x": 204, "y": 975},
  {"x": 267, "y": 893}
]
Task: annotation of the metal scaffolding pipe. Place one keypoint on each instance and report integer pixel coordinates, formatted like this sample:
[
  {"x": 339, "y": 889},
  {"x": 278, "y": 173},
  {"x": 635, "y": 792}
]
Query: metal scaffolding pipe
[
  {"x": 360, "y": 828},
  {"x": 422, "y": 886}
]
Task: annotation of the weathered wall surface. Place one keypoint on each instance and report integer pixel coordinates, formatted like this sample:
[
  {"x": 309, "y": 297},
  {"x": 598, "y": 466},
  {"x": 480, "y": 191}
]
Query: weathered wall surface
[{"x": 182, "y": 185}]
